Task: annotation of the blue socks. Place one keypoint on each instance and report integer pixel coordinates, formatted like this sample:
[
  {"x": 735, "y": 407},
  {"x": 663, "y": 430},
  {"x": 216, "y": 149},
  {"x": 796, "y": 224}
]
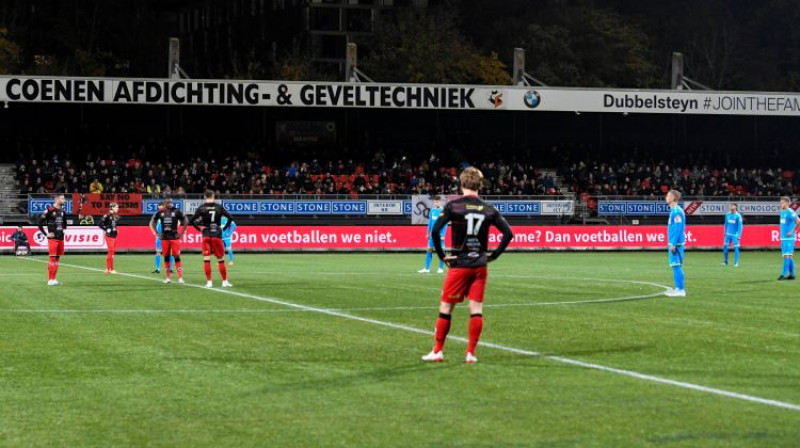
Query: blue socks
[
  {"x": 735, "y": 256},
  {"x": 428, "y": 258},
  {"x": 677, "y": 274},
  {"x": 786, "y": 263},
  {"x": 158, "y": 262},
  {"x": 791, "y": 266},
  {"x": 230, "y": 255},
  {"x": 725, "y": 253}
]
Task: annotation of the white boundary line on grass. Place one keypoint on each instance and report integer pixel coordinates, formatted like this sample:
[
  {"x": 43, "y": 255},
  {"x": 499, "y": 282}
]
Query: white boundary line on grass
[{"x": 560, "y": 359}]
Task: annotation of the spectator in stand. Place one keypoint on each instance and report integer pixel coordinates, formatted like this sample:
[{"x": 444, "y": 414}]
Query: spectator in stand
[
  {"x": 20, "y": 240},
  {"x": 95, "y": 187}
]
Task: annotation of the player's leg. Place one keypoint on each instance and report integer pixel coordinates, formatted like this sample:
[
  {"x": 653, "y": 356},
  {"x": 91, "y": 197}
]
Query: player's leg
[
  {"x": 441, "y": 267},
  {"x": 787, "y": 250},
  {"x": 453, "y": 292},
  {"x": 736, "y": 252},
  {"x": 111, "y": 243},
  {"x": 218, "y": 248},
  {"x": 52, "y": 263},
  {"x": 158, "y": 256},
  {"x": 676, "y": 263},
  {"x": 428, "y": 258},
  {"x": 207, "y": 261},
  {"x": 176, "y": 255},
  {"x": 167, "y": 251},
  {"x": 475, "y": 296},
  {"x": 725, "y": 251},
  {"x": 229, "y": 249}
]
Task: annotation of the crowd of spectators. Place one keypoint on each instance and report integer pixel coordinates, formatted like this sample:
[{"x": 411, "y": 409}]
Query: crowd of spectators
[
  {"x": 647, "y": 178},
  {"x": 553, "y": 171},
  {"x": 253, "y": 175}
]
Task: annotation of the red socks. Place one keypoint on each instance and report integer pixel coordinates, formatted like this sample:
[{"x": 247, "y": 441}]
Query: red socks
[
  {"x": 475, "y": 328},
  {"x": 179, "y": 268},
  {"x": 110, "y": 262},
  {"x": 166, "y": 267},
  {"x": 442, "y": 328},
  {"x": 223, "y": 271},
  {"x": 207, "y": 269},
  {"x": 52, "y": 268}
]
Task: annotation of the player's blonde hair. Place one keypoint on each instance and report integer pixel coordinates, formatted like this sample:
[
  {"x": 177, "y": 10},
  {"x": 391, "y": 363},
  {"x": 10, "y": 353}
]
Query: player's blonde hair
[
  {"x": 675, "y": 194},
  {"x": 471, "y": 178},
  {"x": 786, "y": 199}
]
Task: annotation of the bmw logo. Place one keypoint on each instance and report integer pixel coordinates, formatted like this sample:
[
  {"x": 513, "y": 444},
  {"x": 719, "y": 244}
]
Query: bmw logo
[{"x": 532, "y": 99}]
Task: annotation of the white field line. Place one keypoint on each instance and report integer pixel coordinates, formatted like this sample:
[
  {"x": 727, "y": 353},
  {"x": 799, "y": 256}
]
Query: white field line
[{"x": 560, "y": 359}]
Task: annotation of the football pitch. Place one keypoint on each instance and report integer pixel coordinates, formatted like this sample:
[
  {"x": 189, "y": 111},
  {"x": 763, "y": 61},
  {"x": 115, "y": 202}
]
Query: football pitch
[{"x": 578, "y": 349}]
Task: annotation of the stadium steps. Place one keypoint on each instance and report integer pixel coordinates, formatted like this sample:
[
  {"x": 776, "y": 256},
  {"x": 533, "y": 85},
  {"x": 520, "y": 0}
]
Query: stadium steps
[{"x": 10, "y": 210}]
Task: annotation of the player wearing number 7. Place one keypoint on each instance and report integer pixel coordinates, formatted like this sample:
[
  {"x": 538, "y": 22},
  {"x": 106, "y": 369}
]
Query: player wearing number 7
[
  {"x": 210, "y": 216},
  {"x": 470, "y": 218}
]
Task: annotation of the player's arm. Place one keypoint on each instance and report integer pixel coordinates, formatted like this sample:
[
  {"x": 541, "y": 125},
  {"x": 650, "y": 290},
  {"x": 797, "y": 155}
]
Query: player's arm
[
  {"x": 741, "y": 227},
  {"x": 102, "y": 224},
  {"x": 195, "y": 217},
  {"x": 153, "y": 226},
  {"x": 444, "y": 218},
  {"x": 505, "y": 229},
  {"x": 42, "y": 222},
  {"x": 184, "y": 224},
  {"x": 796, "y": 224},
  {"x": 231, "y": 225},
  {"x": 675, "y": 231},
  {"x": 229, "y": 222}
]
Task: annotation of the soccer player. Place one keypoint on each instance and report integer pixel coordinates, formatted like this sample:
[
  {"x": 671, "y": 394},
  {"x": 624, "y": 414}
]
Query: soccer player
[
  {"x": 158, "y": 246},
  {"x": 173, "y": 227},
  {"x": 466, "y": 278},
  {"x": 733, "y": 233},
  {"x": 227, "y": 236},
  {"x": 436, "y": 212},
  {"x": 210, "y": 216},
  {"x": 676, "y": 239},
  {"x": 109, "y": 224},
  {"x": 55, "y": 220},
  {"x": 789, "y": 223}
]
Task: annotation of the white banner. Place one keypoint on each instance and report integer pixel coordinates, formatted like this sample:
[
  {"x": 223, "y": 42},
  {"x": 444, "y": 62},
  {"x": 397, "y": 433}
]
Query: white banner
[
  {"x": 558, "y": 208},
  {"x": 384, "y": 207},
  {"x": 720, "y": 208},
  {"x": 392, "y": 96}
]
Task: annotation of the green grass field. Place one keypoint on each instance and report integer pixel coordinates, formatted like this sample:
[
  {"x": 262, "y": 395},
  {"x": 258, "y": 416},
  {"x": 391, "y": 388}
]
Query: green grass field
[{"x": 323, "y": 350}]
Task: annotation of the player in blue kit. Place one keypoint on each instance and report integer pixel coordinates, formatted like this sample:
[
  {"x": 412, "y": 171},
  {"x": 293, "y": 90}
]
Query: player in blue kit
[
  {"x": 227, "y": 235},
  {"x": 436, "y": 211},
  {"x": 789, "y": 223},
  {"x": 676, "y": 239},
  {"x": 733, "y": 233}
]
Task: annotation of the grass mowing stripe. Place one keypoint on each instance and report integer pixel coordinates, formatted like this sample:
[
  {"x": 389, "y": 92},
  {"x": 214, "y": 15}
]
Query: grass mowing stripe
[{"x": 559, "y": 359}]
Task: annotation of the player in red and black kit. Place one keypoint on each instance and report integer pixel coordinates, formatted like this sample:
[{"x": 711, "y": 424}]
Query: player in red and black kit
[
  {"x": 55, "y": 219},
  {"x": 470, "y": 220},
  {"x": 172, "y": 220},
  {"x": 210, "y": 216},
  {"x": 109, "y": 224}
]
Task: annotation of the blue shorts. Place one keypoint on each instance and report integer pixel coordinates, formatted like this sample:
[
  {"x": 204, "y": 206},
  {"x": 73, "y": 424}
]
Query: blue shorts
[
  {"x": 158, "y": 244},
  {"x": 731, "y": 239},
  {"x": 227, "y": 243},
  {"x": 676, "y": 259},
  {"x": 787, "y": 247}
]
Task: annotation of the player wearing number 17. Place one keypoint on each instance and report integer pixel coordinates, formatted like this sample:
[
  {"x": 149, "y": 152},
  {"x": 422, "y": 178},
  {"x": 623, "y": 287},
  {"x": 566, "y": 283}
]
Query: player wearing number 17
[
  {"x": 210, "y": 217},
  {"x": 466, "y": 278}
]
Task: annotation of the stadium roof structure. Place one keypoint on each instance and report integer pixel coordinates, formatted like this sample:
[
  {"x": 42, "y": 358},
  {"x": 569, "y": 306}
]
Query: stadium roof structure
[{"x": 152, "y": 91}]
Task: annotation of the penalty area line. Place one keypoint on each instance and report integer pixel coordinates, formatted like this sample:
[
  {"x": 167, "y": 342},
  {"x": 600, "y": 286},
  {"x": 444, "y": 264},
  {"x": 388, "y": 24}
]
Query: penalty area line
[{"x": 505, "y": 348}]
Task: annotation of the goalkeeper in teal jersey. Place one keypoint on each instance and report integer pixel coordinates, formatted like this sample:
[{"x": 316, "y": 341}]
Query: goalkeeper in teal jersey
[
  {"x": 789, "y": 223},
  {"x": 733, "y": 233},
  {"x": 436, "y": 211},
  {"x": 676, "y": 240},
  {"x": 227, "y": 235}
]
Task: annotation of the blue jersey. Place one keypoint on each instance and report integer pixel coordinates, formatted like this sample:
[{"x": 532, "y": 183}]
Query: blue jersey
[
  {"x": 435, "y": 214},
  {"x": 676, "y": 227},
  {"x": 788, "y": 220},
  {"x": 228, "y": 233},
  {"x": 733, "y": 224}
]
